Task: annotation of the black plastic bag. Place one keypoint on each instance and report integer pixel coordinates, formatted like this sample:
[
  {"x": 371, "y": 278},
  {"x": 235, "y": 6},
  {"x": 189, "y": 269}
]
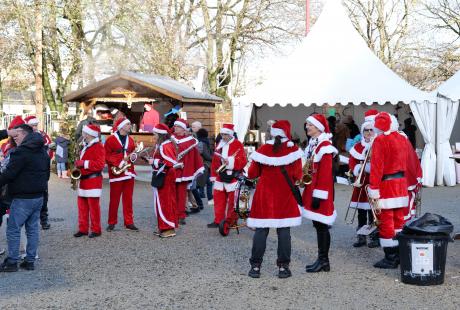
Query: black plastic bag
[{"x": 429, "y": 224}]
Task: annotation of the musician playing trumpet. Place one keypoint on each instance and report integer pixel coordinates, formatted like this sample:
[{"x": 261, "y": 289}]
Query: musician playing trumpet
[
  {"x": 228, "y": 160},
  {"x": 91, "y": 161},
  {"x": 388, "y": 186},
  {"x": 318, "y": 196},
  {"x": 118, "y": 147},
  {"x": 360, "y": 168}
]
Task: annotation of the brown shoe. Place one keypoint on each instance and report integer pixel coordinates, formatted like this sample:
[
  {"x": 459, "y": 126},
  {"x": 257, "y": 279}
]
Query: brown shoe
[{"x": 168, "y": 233}]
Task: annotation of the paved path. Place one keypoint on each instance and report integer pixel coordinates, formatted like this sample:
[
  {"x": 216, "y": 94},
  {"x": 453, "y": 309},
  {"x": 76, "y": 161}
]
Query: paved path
[{"x": 199, "y": 269}]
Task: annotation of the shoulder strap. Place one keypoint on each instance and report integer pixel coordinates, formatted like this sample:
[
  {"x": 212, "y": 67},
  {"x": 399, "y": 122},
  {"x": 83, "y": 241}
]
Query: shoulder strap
[{"x": 294, "y": 189}]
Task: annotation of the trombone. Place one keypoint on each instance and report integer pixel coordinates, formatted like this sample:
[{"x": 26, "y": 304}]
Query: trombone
[{"x": 358, "y": 183}]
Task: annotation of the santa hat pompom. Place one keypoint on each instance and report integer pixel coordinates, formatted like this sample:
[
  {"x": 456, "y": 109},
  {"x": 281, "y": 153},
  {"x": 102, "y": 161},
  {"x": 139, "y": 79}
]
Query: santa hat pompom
[{"x": 383, "y": 122}]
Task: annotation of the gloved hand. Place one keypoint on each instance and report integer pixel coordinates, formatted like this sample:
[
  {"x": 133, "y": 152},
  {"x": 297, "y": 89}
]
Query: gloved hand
[
  {"x": 80, "y": 163},
  {"x": 315, "y": 203}
]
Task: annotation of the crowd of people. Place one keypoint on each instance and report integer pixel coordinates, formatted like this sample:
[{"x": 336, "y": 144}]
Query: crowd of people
[{"x": 186, "y": 167}]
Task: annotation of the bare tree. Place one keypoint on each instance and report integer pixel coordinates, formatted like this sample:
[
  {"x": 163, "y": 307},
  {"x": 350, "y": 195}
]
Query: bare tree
[{"x": 446, "y": 13}]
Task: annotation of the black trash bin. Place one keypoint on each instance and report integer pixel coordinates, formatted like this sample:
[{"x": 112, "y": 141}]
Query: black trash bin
[{"x": 423, "y": 249}]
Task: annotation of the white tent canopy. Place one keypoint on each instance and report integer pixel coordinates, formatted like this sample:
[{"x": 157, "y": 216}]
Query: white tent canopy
[
  {"x": 334, "y": 65},
  {"x": 448, "y": 100}
]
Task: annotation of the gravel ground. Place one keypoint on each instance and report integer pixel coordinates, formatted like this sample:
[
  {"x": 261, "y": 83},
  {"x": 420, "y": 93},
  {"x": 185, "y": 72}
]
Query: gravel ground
[{"x": 199, "y": 269}]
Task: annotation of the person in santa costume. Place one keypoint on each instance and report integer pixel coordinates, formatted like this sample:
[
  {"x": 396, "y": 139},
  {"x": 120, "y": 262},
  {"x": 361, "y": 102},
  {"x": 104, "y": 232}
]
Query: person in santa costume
[
  {"x": 388, "y": 186},
  {"x": 318, "y": 196},
  {"x": 189, "y": 155},
  {"x": 33, "y": 122},
  {"x": 118, "y": 147},
  {"x": 414, "y": 173},
  {"x": 229, "y": 152},
  {"x": 90, "y": 162},
  {"x": 358, "y": 154},
  {"x": 164, "y": 161},
  {"x": 278, "y": 166}
]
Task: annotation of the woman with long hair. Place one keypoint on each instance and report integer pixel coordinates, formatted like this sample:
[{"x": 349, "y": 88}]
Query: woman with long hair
[
  {"x": 278, "y": 166},
  {"x": 163, "y": 163}
]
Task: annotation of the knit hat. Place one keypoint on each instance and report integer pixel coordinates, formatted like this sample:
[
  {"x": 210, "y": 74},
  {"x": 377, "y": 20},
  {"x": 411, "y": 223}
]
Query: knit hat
[
  {"x": 228, "y": 129},
  {"x": 31, "y": 120},
  {"x": 92, "y": 130},
  {"x": 16, "y": 122},
  {"x": 383, "y": 122},
  {"x": 370, "y": 115},
  {"x": 282, "y": 128},
  {"x": 320, "y": 122},
  {"x": 120, "y": 123},
  {"x": 181, "y": 123},
  {"x": 161, "y": 129}
]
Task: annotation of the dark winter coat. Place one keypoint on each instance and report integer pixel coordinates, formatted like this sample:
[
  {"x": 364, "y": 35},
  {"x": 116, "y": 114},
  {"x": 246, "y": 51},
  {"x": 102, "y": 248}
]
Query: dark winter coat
[{"x": 64, "y": 143}]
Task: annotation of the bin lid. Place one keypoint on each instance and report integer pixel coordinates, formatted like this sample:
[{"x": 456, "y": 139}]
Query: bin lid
[{"x": 428, "y": 224}]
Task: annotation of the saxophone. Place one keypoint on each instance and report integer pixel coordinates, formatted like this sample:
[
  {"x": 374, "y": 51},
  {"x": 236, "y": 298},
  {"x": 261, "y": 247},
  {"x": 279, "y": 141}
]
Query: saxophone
[{"x": 307, "y": 171}]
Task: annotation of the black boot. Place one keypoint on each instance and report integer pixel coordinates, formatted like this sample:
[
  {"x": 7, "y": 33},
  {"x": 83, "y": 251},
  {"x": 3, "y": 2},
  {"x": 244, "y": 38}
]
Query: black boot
[
  {"x": 360, "y": 242},
  {"x": 391, "y": 259},
  {"x": 255, "y": 271},
  {"x": 284, "y": 272},
  {"x": 374, "y": 241},
  {"x": 324, "y": 241}
]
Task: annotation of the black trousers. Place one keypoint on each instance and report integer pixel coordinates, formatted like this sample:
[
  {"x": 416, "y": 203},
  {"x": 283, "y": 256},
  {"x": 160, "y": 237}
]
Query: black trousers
[
  {"x": 44, "y": 210},
  {"x": 260, "y": 241},
  {"x": 364, "y": 217}
]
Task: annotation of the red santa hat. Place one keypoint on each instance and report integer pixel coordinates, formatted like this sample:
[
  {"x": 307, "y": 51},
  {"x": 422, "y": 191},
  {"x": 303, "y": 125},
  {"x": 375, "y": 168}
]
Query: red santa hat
[
  {"x": 92, "y": 130},
  {"x": 282, "y": 128},
  {"x": 16, "y": 122},
  {"x": 383, "y": 122},
  {"x": 370, "y": 115},
  {"x": 228, "y": 129},
  {"x": 31, "y": 120},
  {"x": 161, "y": 129},
  {"x": 181, "y": 123},
  {"x": 120, "y": 123},
  {"x": 320, "y": 122}
]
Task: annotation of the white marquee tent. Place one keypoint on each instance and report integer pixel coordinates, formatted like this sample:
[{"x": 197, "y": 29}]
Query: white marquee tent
[
  {"x": 448, "y": 100},
  {"x": 334, "y": 65}
]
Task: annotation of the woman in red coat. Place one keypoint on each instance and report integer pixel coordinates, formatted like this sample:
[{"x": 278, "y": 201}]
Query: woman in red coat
[
  {"x": 164, "y": 196},
  {"x": 274, "y": 204},
  {"x": 318, "y": 196}
]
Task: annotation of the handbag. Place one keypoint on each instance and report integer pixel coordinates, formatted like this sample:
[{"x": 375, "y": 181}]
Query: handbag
[
  {"x": 158, "y": 179},
  {"x": 228, "y": 178}
]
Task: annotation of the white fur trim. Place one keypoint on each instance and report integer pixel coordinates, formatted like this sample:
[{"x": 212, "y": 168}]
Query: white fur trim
[
  {"x": 274, "y": 223},
  {"x": 160, "y": 131},
  {"x": 87, "y": 146},
  {"x": 123, "y": 123},
  {"x": 276, "y": 161},
  {"x": 179, "y": 141},
  {"x": 231, "y": 162},
  {"x": 328, "y": 220},
  {"x": 156, "y": 199},
  {"x": 272, "y": 141},
  {"x": 33, "y": 121},
  {"x": 373, "y": 193},
  {"x": 388, "y": 243},
  {"x": 228, "y": 187},
  {"x": 360, "y": 205},
  {"x": 127, "y": 176},
  {"x": 367, "y": 169},
  {"x": 212, "y": 179},
  {"x": 226, "y": 131},
  {"x": 370, "y": 118},
  {"x": 328, "y": 149},
  {"x": 86, "y": 164},
  {"x": 317, "y": 193},
  {"x": 180, "y": 124},
  {"x": 364, "y": 125},
  {"x": 89, "y": 131},
  {"x": 316, "y": 123},
  {"x": 355, "y": 154},
  {"x": 290, "y": 144},
  {"x": 90, "y": 192},
  {"x": 394, "y": 203},
  {"x": 277, "y": 132},
  {"x": 156, "y": 163},
  {"x": 356, "y": 170},
  {"x": 191, "y": 178}
]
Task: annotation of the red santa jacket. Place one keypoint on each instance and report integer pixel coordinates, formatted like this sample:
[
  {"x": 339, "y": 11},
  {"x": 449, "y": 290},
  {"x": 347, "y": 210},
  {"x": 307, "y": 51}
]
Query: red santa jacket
[
  {"x": 322, "y": 185},
  {"x": 93, "y": 155},
  {"x": 48, "y": 141},
  {"x": 388, "y": 157},
  {"x": 116, "y": 155},
  {"x": 193, "y": 163},
  {"x": 233, "y": 151},
  {"x": 274, "y": 204},
  {"x": 358, "y": 153}
]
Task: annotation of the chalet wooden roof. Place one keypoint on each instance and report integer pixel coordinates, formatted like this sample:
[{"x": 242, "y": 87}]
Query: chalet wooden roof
[{"x": 148, "y": 86}]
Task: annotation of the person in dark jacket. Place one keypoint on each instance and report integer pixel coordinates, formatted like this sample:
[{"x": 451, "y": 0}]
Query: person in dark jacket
[
  {"x": 62, "y": 155},
  {"x": 204, "y": 147},
  {"x": 352, "y": 127},
  {"x": 410, "y": 130},
  {"x": 27, "y": 175}
]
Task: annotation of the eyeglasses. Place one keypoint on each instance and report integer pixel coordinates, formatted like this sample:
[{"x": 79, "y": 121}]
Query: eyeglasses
[{"x": 370, "y": 129}]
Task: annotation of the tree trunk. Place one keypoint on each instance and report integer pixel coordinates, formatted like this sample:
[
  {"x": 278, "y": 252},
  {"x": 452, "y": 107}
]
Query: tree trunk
[{"x": 38, "y": 63}]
